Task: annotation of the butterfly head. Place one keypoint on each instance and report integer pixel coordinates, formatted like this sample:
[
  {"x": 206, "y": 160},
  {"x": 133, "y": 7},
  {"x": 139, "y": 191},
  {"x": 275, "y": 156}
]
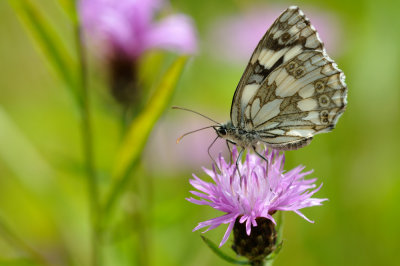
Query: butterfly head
[
  {"x": 221, "y": 131},
  {"x": 225, "y": 131}
]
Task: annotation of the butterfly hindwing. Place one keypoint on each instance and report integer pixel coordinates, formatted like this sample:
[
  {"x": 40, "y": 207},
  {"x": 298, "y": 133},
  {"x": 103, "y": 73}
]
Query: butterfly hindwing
[
  {"x": 307, "y": 97},
  {"x": 291, "y": 89}
]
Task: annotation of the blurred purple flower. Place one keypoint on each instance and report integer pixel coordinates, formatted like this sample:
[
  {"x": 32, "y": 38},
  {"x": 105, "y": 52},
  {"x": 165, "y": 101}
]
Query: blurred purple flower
[
  {"x": 127, "y": 27},
  {"x": 234, "y": 38},
  {"x": 256, "y": 193},
  {"x": 188, "y": 154}
]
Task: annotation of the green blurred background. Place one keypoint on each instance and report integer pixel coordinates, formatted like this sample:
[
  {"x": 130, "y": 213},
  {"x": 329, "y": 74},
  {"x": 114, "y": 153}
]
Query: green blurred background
[{"x": 43, "y": 189}]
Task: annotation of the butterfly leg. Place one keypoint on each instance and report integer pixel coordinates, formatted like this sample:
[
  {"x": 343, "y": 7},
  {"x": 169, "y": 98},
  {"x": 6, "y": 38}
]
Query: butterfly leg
[
  {"x": 237, "y": 162},
  {"x": 209, "y": 154},
  {"x": 230, "y": 152},
  {"x": 262, "y": 157}
]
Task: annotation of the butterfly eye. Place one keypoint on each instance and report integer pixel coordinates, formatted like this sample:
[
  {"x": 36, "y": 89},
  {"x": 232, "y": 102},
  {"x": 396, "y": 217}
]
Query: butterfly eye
[{"x": 222, "y": 131}]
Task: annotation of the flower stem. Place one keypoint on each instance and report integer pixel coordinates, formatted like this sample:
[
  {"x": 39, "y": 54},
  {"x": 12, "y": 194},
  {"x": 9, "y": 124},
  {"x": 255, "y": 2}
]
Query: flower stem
[
  {"x": 116, "y": 191},
  {"x": 144, "y": 219},
  {"x": 93, "y": 191},
  {"x": 262, "y": 263},
  {"x": 269, "y": 263}
]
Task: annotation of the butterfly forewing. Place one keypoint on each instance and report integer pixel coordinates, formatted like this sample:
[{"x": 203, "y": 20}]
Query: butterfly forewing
[{"x": 291, "y": 89}]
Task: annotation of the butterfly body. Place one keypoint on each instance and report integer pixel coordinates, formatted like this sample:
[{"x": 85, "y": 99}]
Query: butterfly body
[
  {"x": 237, "y": 136},
  {"x": 252, "y": 138}
]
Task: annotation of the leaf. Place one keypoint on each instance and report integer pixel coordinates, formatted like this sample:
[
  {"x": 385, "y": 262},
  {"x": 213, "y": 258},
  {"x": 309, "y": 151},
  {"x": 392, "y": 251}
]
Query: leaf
[
  {"x": 222, "y": 255},
  {"x": 19, "y": 262},
  {"x": 139, "y": 130},
  {"x": 48, "y": 41},
  {"x": 69, "y": 8},
  {"x": 280, "y": 222},
  {"x": 15, "y": 240},
  {"x": 279, "y": 237},
  {"x": 150, "y": 67},
  {"x": 272, "y": 256},
  {"x": 15, "y": 148}
]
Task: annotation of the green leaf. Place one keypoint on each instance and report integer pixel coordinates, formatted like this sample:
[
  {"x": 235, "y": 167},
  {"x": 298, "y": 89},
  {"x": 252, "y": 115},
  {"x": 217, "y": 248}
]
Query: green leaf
[
  {"x": 279, "y": 226},
  {"x": 16, "y": 148},
  {"x": 6, "y": 233},
  {"x": 47, "y": 40},
  {"x": 69, "y": 8},
  {"x": 272, "y": 256},
  {"x": 222, "y": 255},
  {"x": 279, "y": 237},
  {"x": 139, "y": 130}
]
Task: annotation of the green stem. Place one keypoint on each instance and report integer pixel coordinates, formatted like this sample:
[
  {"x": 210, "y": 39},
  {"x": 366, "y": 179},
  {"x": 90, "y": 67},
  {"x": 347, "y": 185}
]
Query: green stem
[
  {"x": 144, "y": 221},
  {"x": 279, "y": 230},
  {"x": 269, "y": 263},
  {"x": 93, "y": 190},
  {"x": 116, "y": 191},
  {"x": 15, "y": 240}
]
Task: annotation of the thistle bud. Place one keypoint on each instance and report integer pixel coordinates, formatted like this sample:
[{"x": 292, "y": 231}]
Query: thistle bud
[
  {"x": 259, "y": 244},
  {"x": 123, "y": 80}
]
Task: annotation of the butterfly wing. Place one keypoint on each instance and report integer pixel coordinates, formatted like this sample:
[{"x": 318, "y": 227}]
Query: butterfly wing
[
  {"x": 299, "y": 99},
  {"x": 290, "y": 90}
]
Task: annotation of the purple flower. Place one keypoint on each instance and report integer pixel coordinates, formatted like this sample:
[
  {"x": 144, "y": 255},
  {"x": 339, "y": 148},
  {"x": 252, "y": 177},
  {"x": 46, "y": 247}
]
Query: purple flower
[
  {"x": 127, "y": 27},
  {"x": 256, "y": 193},
  {"x": 188, "y": 154}
]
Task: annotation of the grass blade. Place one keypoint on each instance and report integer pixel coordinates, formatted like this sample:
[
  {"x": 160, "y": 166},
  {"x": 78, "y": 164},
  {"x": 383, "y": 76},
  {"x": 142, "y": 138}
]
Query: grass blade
[
  {"x": 15, "y": 148},
  {"x": 69, "y": 8},
  {"x": 46, "y": 38},
  {"x": 15, "y": 240},
  {"x": 140, "y": 128}
]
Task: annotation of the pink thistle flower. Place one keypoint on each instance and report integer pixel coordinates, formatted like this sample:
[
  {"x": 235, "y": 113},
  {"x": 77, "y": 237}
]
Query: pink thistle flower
[
  {"x": 256, "y": 193},
  {"x": 127, "y": 27},
  {"x": 121, "y": 31}
]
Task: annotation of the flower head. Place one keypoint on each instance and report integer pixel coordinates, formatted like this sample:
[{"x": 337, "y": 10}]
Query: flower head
[
  {"x": 122, "y": 30},
  {"x": 127, "y": 27},
  {"x": 259, "y": 190}
]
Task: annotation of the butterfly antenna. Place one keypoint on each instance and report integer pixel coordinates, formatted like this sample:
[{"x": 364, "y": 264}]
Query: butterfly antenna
[
  {"x": 190, "y": 132},
  {"x": 181, "y": 108}
]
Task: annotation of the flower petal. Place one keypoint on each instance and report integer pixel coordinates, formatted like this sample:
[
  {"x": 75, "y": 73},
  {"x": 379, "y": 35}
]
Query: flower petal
[
  {"x": 175, "y": 33},
  {"x": 227, "y": 233}
]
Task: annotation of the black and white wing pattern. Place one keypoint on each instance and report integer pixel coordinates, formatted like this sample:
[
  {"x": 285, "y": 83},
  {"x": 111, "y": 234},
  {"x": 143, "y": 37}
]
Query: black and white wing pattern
[{"x": 291, "y": 89}]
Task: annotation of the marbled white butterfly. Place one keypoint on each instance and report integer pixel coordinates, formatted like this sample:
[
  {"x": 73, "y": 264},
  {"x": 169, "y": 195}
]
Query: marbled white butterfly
[{"x": 290, "y": 91}]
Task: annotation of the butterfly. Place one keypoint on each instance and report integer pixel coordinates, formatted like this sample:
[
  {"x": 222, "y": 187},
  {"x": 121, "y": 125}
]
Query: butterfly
[{"x": 290, "y": 91}]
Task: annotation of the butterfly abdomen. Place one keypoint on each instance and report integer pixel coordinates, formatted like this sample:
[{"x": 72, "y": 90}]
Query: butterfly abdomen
[
  {"x": 291, "y": 145},
  {"x": 251, "y": 138}
]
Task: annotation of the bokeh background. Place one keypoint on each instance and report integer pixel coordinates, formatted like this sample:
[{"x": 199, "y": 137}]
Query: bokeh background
[{"x": 43, "y": 195}]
